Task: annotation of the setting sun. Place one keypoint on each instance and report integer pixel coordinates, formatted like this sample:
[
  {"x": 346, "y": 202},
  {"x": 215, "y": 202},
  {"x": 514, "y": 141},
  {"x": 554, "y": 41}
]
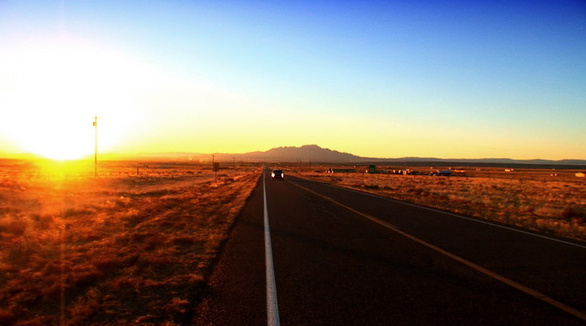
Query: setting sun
[
  {"x": 55, "y": 134},
  {"x": 56, "y": 90}
]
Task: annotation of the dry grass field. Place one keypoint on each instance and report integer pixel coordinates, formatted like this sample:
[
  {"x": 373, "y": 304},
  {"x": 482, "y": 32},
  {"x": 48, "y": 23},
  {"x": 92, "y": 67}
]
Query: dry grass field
[
  {"x": 133, "y": 245},
  {"x": 127, "y": 247},
  {"x": 549, "y": 201}
]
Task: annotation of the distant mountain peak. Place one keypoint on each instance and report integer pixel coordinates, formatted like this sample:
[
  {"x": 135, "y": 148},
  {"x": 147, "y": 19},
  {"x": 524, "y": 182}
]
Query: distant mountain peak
[
  {"x": 316, "y": 154},
  {"x": 306, "y": 153}
]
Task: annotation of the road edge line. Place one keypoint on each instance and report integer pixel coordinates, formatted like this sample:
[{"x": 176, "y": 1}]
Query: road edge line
[
  {"x": 534, "y": 293},
  {"x": 272, "y": 303}
]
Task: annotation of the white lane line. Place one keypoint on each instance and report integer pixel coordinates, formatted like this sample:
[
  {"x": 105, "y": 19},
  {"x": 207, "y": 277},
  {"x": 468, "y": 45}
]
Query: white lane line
[
  {"x": 460, "y": 216},
  {"x": 272, "y": 305},
  {"x": 536, "y": 294}
]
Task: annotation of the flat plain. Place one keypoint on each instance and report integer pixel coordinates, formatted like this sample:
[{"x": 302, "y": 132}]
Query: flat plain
[
  {"x": 135, "y": 244},
  {"x": 130, "y": 246}
]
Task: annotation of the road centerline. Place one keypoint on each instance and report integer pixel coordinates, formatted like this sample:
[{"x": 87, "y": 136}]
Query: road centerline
[
  {"x": 529, "y": 291},
  {"x": 272, "y": 304}
]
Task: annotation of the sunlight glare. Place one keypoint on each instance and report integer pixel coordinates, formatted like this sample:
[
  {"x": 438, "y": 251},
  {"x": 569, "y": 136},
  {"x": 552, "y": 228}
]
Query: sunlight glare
[{"x": 52, "y": 92}]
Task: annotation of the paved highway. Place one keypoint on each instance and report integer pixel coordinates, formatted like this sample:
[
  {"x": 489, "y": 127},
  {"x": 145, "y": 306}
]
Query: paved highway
[{"x": 305, "y": 253}]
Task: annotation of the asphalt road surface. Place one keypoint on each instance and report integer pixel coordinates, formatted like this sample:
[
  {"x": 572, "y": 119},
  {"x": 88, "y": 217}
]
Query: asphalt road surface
[{"x": 341, "y": 257}]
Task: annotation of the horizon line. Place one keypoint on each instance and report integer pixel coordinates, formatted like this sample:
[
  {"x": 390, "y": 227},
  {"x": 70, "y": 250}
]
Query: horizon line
[{"x": 117, "y": 156}]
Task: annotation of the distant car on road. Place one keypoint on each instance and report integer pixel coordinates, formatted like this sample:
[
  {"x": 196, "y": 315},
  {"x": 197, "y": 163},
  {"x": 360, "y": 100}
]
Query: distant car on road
[{"x": 278, "y": 174}]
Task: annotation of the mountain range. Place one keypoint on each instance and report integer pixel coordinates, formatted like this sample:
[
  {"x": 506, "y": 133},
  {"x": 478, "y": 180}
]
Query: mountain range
[{"x": 317, "y": 154}]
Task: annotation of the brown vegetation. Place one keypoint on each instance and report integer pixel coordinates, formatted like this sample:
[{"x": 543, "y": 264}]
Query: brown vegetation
[
  {"x": 543, "y": 200},
  {"x": 127, "y": 247}
]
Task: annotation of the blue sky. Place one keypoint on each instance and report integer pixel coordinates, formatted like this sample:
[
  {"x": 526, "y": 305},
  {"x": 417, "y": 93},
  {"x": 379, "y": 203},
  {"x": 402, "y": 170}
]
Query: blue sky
[{"x": 451, "y": 79}]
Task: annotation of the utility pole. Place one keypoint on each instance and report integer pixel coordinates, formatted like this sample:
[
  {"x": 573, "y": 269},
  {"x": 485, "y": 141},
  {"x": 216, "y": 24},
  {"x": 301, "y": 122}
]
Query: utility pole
[
  {"x": 215, "y": 168},
  {"x": 96, "y": 147}
]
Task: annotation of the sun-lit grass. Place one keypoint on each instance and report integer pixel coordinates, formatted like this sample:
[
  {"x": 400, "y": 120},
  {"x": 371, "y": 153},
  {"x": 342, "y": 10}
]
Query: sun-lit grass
[
  {"x": 543, "y": 200},
  {"x": 128, "y": 247}
]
